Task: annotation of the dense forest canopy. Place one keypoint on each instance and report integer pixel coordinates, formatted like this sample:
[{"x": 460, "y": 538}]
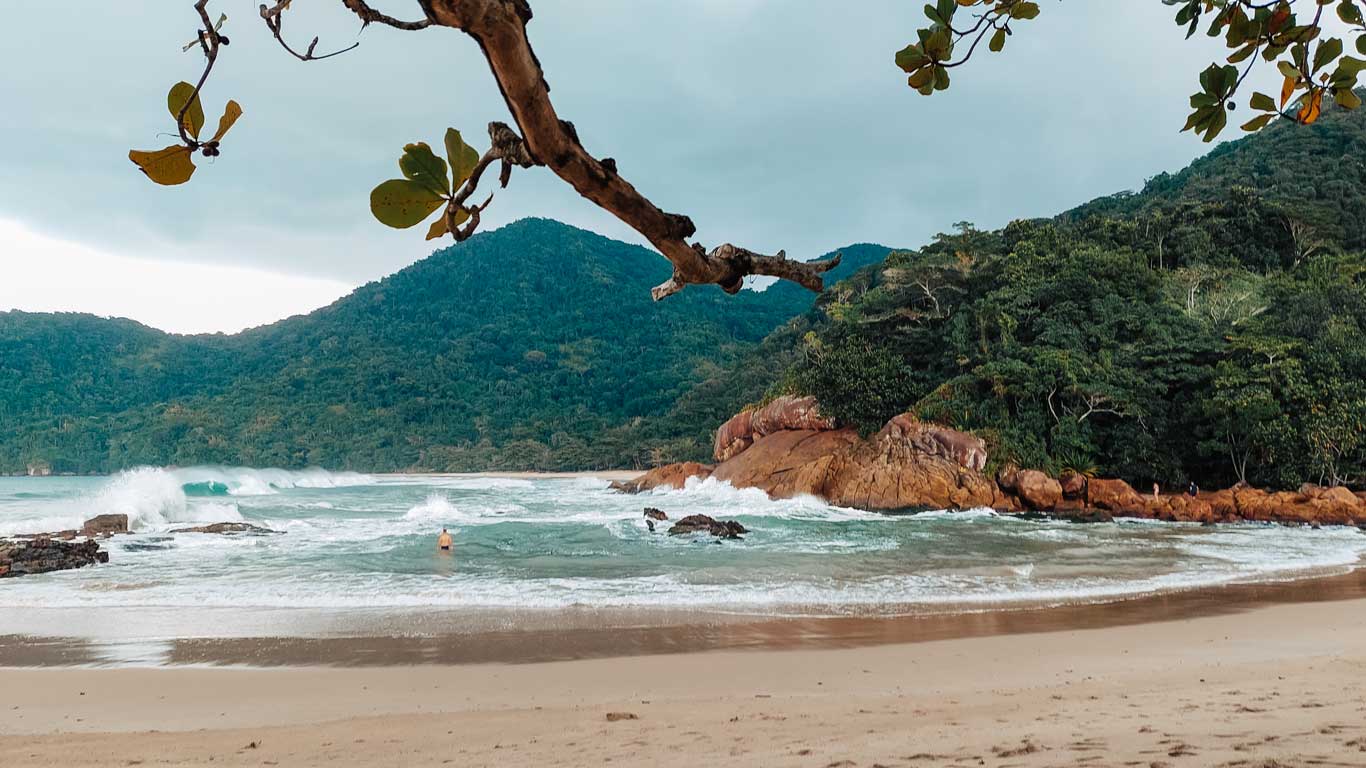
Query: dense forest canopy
[
  {"x": 1210, "y": 326},
  {"x": 535, "y": 346}
]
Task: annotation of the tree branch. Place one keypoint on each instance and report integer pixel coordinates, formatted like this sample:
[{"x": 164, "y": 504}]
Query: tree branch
[
  {"x": 499, "y": 26},
  {"x": 274, "y": 19},
  {"x": 370, "y": 16}
]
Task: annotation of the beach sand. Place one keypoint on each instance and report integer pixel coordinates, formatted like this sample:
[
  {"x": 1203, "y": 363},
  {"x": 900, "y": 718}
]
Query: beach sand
[{"x": 1268, "y": 684}]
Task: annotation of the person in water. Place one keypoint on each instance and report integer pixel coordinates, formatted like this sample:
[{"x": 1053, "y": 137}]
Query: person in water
[{"x": 443, "y": 542}]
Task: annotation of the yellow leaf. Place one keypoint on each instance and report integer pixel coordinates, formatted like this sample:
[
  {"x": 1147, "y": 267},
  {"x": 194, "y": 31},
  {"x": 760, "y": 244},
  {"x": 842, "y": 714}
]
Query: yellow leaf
[
  {"x": 1287, "y": 90},
  {"x": 230, "y": 115},
  {"x": 169, "y": 166},
  {"x": 1309, "y": 113},
  {"x": 438, "y": 228}
]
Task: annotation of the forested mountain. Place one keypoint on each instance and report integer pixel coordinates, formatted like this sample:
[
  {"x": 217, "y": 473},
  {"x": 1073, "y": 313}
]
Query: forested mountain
[
  {"x": 535, "y": 346},
  {"x": 1211, "y": 326}
]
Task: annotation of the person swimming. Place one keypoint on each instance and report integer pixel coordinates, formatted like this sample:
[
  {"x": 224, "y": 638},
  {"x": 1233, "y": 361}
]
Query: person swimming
[{"x": 444, "y": 541}]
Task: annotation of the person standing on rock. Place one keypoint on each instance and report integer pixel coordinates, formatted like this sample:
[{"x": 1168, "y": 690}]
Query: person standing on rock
[
  {"x": 1157, "y": 491},
  {"x": 444, "y": 541},
  {"x": 1193, "y": 489}
]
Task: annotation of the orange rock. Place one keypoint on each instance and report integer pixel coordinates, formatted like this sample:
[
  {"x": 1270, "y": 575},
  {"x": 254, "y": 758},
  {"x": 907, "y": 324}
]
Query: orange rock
[
  {"x": 1037, "y": 490},
  {"x": 1115, "y": 496},
  {"x": 667, "y": 476},
  {"x": 968, "y": 450},
  {"x": 1073, "y": 485},
  {"x": 783, "y": 413}
]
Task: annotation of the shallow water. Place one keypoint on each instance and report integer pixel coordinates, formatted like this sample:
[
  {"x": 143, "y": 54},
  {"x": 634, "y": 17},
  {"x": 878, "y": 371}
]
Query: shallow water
[{"x": 358, "y": 542}]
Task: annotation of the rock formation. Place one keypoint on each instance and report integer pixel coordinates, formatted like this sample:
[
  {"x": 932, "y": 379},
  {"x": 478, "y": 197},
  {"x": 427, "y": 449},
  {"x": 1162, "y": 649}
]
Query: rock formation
[
  {"x": 667, "y": 476},
  {"x": 41, "y": 555},
  {"x": 226, "y": 529},
  {"x": 783, "y": 413},
  {"x": 787, "y": 449},
  {"x": 105, "y": 525},
  {"x": 728, "y": 529}
]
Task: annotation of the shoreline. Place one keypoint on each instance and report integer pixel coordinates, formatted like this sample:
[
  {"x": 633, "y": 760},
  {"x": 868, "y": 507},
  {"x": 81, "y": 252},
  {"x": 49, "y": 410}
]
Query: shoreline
[
  {"x": 341, "y": 639},
  {"x": 1259, "y": 685}
]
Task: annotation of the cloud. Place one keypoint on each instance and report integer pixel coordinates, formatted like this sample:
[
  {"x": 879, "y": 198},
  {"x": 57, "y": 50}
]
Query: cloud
[
  {"x": 772, "y": 123},
  {"x": 43, "y": 274}
]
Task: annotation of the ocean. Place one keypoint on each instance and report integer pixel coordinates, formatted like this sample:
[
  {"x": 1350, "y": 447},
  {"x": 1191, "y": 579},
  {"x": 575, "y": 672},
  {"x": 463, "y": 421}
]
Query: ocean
[{"x": 354, "y": 542}]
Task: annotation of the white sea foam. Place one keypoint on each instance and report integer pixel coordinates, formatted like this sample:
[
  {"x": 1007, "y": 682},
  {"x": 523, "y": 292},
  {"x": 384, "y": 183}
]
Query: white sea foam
[
  {"x": 436, "y": 507},
  {"x": 372, "y": 548},
  {"x": 241, "y": 481}
]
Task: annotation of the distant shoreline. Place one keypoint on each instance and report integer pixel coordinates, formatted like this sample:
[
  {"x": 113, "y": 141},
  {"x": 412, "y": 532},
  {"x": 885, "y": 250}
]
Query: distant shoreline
[{"x": 605, "y": 474}]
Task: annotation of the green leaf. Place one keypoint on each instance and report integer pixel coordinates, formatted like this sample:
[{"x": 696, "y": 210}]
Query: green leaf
[
  {"x": 181, "y": 93},
  {"x": 1288, "y": 69},
  {"x": 169, "y": 166},
  {"x": 230, "y": 114},
  {"x": 998, "y": 40},
  {"x": 941, "y": 78},
  {"x": 1262, "y": 102},
  {"x": 421, "y": 165},
  {"x": 1349, "y": 13},
  {"x": 921, "y": 77},
  {"x": 911, "y": 58},
  {"x": 402, "y": 203},
  {"x": 1347, "y": 99},
  {"x": 1216, "y": 125},
  {"x": 1328, "y": 50},
  {"x": 1257, "y": 123},
  {"x": 463, "y": 157},
  {"x": 1361, "y": 44},
  {"x": 1024, "y": 11}
]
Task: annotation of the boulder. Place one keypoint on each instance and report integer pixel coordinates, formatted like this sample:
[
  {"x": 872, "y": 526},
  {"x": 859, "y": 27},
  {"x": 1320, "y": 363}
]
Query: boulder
[
  {"x": 1114, "y": 496},
  {"x": 1037, "y": 490},
  {"x": 667, "y": 476},
  {"x": 655, "y": 514},
  {"x": 887, "y": 472},
  {"x": 783, "y": 413},
  {"x": 1073, "y": 485},
  {"x": 969, "y": 451},
  {"x": 226, "y": 529},
  {"x": 728, "y": 529},
  {"x": 105, "y": 525},
  {"x": 41, "y": 555}
]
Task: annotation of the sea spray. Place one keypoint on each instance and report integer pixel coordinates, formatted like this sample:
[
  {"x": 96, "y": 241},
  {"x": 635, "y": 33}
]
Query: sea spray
[{"x": 550, "y": 544}]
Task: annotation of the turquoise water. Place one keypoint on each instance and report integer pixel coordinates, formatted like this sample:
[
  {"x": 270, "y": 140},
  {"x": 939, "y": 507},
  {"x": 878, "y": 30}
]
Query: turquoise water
[{"x": 353, "y": 541}]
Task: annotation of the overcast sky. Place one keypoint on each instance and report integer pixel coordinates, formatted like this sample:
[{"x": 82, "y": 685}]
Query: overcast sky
[{"x": 773, "y": 123}]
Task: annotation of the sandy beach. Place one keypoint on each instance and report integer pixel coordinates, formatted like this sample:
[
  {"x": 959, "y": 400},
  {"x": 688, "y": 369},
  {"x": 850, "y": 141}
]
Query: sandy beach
[{"x": 1268, "y": 683}]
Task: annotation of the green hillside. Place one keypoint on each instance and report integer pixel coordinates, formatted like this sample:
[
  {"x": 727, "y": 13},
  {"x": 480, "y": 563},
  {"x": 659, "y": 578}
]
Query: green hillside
[
  {"x": 1211, "y": 326},
  {"x": 535, "y": 346}
]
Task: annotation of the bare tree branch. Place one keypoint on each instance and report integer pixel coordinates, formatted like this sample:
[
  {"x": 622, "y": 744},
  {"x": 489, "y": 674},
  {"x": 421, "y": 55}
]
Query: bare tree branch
[
  {"x": 499, "y": 26},
  {"x": 370, "y": 16},
  {"x": 273, "y": 15}
]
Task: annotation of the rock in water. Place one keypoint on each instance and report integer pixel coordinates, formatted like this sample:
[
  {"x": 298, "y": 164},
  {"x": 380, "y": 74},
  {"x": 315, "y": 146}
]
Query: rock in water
[
  {"x": 226, "y": 529},
  {"x": 728, "y": 529},
  {"x": 667, "y": 476},
  {"x": 41, "y": 555},
  {"x": 655, "y": 514},
  {"x": 105, "y": 525}
]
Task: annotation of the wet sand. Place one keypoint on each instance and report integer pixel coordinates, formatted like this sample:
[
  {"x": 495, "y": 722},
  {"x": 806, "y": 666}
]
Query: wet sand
[
  {"x": 1247, "y": 676},
  {"x": 300, "y": 637}
]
